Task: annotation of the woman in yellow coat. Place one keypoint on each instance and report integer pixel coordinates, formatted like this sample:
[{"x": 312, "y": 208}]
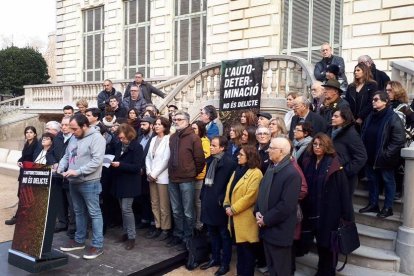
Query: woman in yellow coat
[{"x": 241, "y": 196}]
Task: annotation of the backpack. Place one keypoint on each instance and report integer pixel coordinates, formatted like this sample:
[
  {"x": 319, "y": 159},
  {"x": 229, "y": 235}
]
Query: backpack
[{"x": 198, "y": 250}]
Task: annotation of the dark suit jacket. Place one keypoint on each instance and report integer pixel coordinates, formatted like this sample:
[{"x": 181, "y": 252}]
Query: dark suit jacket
[{"x": 317, "y": 121}]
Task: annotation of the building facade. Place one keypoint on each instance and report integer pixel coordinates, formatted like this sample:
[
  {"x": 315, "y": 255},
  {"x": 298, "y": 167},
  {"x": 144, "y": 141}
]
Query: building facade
[{"x": 99, "y": 39}]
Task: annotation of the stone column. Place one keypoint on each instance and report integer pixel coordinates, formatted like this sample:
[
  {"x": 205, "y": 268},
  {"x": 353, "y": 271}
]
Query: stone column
[{"x": 405, "y": 237}]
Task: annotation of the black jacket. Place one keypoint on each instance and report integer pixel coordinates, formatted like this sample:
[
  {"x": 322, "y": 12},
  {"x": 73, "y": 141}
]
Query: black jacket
[
  {"x": 127, "y": 177},
  {"x": 103, "y": 98},
  {"x": 380, "y": 77},
  {"x": 317, "y": 121},
  {"x": 229, "y": 151},
  {"x": 121, "y": 112},
  {"x": 146, "y": 91},
  {"x": 326, "y": 111},
  {"x": 323, "y": 64},
  {"x": 335, "y": 200},
  {"x": 350, "y": 149},
  {"x": 212, "y": 211},
  {"x": 277, "y": 201},
  {"x": 28, "y": 150},
  {"x": 264, "y": 158},
  {"x": 391, "y": 139},
  {"x": 365, "y": 107},
  {"x": 50, "y": 157}
]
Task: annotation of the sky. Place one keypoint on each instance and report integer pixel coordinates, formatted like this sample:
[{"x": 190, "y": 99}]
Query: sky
[{"x": 27, "y": 22}]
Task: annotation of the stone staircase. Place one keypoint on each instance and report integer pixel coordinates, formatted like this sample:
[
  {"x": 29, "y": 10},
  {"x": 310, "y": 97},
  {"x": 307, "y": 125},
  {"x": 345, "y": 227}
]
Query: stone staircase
[{"x": 376, "y": 255}]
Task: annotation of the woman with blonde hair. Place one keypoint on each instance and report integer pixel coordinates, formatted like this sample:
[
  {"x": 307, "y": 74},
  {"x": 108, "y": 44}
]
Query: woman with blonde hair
[
  {"x": 82, "y": 105},
  {"x": 278, "y": 128}
]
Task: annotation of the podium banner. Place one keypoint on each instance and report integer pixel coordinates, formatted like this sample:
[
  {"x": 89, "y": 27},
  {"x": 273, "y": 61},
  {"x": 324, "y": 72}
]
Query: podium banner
[
  {"x": 241, "y": 83},
  {"x": 30, "y": 229}
]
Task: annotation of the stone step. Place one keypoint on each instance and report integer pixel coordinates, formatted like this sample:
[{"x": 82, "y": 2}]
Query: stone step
[
  {"x": 361, "y": 197},
  {"x": 376, "y": 237},
  {"x": 310, "y": 261},
  {"x": 390, "y": 223},
  {"x": 377, "y": 258}
]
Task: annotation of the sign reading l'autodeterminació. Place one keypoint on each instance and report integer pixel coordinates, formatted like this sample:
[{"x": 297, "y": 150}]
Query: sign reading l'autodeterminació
[{"x": 241, "y": 83}]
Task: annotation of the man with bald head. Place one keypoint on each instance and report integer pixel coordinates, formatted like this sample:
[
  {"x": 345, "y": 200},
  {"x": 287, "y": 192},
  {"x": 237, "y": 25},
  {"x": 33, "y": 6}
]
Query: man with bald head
[
  {"x": 301, "y": 107},
  {"x": 275, "y": 208}
]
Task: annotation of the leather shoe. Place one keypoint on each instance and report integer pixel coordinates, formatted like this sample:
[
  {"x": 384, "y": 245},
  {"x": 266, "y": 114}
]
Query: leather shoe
[
  {"x": 154, "y": 234},
  {"x": 130, "y": 244},
  {"x": 223, "y": 269},
  {"x": 210, "y": 263},
  {"x": 370, "y": 208},
  {"x": 11, "y": 221},
  {"x": 385, "y": 212}
]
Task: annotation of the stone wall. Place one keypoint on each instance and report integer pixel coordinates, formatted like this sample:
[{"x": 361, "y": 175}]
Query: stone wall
[
  {"x": 242, "y": 28},
  {"x": 12, "y": 135},
  {"x": 382, "y": 29}
]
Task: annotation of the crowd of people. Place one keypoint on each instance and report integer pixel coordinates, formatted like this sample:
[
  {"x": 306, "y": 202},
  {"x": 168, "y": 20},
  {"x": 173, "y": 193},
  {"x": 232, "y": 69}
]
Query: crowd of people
[{"x": 269, "y": 185}]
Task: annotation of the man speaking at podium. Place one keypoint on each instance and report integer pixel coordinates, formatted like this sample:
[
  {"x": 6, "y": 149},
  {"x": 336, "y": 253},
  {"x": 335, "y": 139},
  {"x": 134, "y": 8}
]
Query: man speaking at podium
[{"x": 82, "y": 166}]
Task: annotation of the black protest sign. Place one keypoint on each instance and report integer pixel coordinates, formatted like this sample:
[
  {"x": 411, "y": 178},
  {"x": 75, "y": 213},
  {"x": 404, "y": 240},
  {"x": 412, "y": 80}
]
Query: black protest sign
[
  {"x": 29, "y": 232},
  {"x": 241, "y": 83}
]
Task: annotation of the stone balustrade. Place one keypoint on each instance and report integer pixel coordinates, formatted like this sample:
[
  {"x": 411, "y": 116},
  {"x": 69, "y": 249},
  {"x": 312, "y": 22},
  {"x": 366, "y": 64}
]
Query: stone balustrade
[
  {"x": 51, "y": 98},
  {"x": 281, "y": 74},
  {"x": 403, "y": 71},
  {"x": 10, "y": 106}
]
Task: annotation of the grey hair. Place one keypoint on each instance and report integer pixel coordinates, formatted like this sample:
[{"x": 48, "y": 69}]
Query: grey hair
[
  {"x": 262, "y": 127},
  {"x": 53, "y": 125},
  {"x": 183, "y": 113},
  {"x": 304, "y": 100},
  {"x": 285, "y": 144},
  {"x": 365, "y": 58}
]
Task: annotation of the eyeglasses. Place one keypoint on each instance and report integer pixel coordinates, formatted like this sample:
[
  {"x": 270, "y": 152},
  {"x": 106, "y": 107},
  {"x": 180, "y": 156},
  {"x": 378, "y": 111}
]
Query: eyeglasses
[
  {"x": 46, "y": 138},
  {"x": 262, "y": 133},
  {"x": 376, "y": 99},
  {"x": 134, "y": 90},
  {"x": 298, "y": 130},
  {"x": 388, "y": 90},
  {"x": 274, "y": 148},
  {"x": 178, "y": 119},
  {"x": 316, "y": 145}
]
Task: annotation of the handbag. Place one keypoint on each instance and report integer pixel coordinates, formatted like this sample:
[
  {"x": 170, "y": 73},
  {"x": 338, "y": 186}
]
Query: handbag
[
  {"x": 198, "y": 250},
  {"x": 344, "y": 240}
]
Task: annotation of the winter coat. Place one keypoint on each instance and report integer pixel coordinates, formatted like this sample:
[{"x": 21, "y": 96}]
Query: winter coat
[
  {"x": 127, "y": 177},
  {"x": 277, "y": 201},
  {"x": 242, "y": 201},
  {"x": 350, "y": 149},
  {"x": 380, "y": 77},
  {"x": 212, "y": 197},
  {"x": 326, "y": 111},
  {"x": 187, "y": 157},
  {"x": 156, "y": 163},
  {"x": 139, "y": 104},
  {"x": 367, "y": 91},
  {"x": 323, "y": 64},
  {"x": 334, "y": 198},
  {"x": 391, "y": 139},
  {"x": 317, "y": 121},
  {"x": 103, "y": 98},
  {"x": 146, "y": 91},
  {"x": 205, "y": 142}
]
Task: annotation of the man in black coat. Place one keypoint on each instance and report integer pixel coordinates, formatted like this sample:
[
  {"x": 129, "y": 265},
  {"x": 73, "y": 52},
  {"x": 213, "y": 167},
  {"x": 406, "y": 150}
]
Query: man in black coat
[
  {"x": 220, "y": 167},
  {"x": 103, "y": 96},
  {"x": 332, "y": 100},
  {"x": 303, "y": 114},
  {"x": 275, "y": 208},
  {"x": 379, "y": 76},
  {"x": 327, "y": 59},
  {"x": 144, "y": 201},
  {"x": 146, "y": 88}
]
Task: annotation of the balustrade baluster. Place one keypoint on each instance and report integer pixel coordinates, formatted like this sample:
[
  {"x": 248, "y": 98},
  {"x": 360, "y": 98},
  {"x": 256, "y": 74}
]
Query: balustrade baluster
[{"x": 265, "y": 79}]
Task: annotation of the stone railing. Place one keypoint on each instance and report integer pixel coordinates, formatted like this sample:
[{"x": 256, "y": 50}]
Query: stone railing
[
  {"x": 51, "y": 98},
  {"x": 281, "y": 74},
  {"x": 10, "y": 106},
  {"x": 403, "y": 71}
]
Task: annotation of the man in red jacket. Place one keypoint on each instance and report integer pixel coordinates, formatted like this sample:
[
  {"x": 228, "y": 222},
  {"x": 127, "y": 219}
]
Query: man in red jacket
[{"x": 186, "y": 161}]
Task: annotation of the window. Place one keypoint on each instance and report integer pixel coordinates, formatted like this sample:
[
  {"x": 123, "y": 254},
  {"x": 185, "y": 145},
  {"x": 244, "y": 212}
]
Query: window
[
  {"x": 189, "y": 36},
  {"x": 308, "y": 24},
  {"x": 93, "y": 41},
  {"x": 137, "y": 37}
]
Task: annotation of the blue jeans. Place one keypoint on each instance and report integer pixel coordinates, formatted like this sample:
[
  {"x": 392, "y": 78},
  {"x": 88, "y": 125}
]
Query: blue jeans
[
  {"x": 182, "y": 205},
  {"x": 220, "y": 241},
  {"x": 387, "y": 177},
  {"x": 85, "y": 197},
  {"x": 128, "y": 218}
]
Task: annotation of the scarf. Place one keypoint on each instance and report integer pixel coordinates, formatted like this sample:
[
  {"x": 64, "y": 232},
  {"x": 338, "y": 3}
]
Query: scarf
[
  {"x": 211, "y": 172},
  {"x": 124, "y": 148},
  {"x": 238, "y": 174},
  {"x": 266, "y": 183}
]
